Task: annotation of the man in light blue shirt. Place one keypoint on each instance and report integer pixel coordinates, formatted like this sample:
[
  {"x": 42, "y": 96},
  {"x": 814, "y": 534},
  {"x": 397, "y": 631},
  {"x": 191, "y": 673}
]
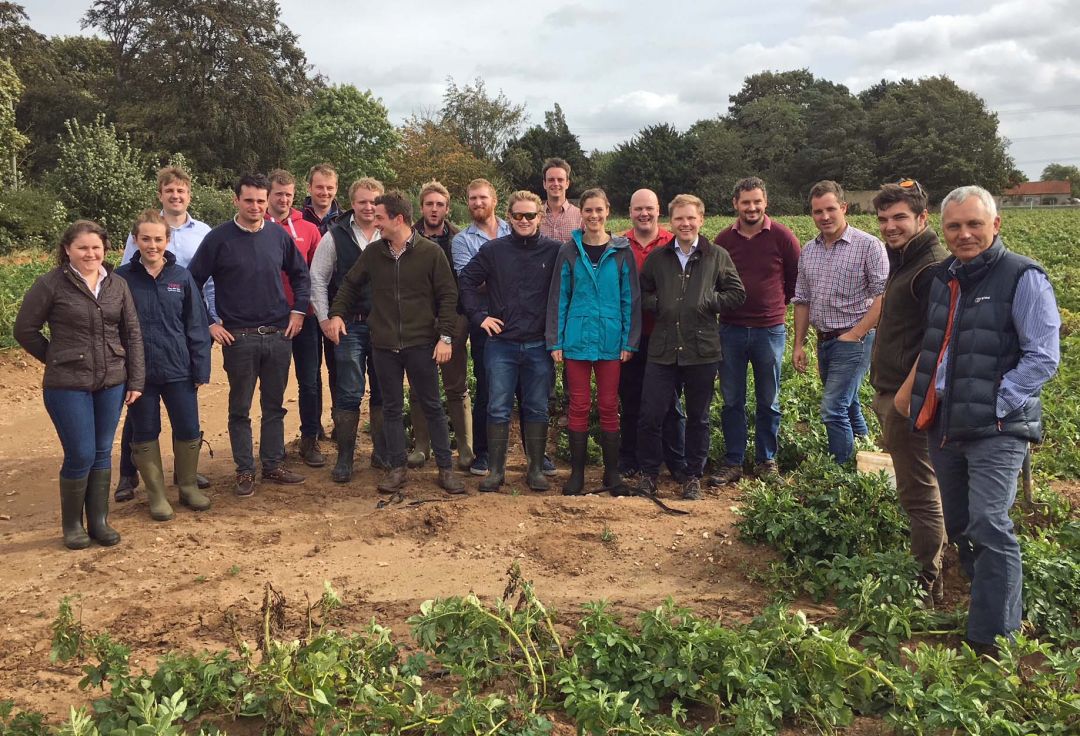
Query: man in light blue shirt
[
  {"x": 187, "y": 233},
  {"x": 466, "y": 244}
]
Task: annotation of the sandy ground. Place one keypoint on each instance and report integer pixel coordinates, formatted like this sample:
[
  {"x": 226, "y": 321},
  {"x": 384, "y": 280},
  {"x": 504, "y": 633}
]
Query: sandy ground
[{"x": 197, "y": 581}]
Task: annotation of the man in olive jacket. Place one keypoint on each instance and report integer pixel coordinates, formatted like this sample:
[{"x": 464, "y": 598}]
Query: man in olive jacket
[
  {"x": 687, "y": 284},
  {"x": 913, "y": 250},
  {"x": 412, "y": 320}
]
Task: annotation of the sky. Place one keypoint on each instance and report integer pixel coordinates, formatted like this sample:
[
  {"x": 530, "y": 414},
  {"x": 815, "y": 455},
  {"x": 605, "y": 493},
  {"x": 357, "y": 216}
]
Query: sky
[{"x": 617, "y": 66}]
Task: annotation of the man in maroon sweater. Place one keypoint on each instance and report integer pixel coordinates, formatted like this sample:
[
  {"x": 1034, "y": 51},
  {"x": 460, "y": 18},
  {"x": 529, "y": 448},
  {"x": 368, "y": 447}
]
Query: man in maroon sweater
[{"x": 766, "y": 255}]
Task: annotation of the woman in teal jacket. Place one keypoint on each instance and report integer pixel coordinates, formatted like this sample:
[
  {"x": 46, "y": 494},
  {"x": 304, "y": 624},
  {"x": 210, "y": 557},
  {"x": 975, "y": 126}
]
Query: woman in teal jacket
[{"x": 594, "y": 324}]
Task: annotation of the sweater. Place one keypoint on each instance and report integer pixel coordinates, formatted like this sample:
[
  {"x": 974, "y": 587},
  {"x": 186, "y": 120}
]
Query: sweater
[{"x": 768, "y": 265}]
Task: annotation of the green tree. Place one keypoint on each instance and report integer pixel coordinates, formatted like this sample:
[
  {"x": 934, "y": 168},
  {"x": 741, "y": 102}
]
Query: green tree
[
  {"x": 717, "y": 162},
  {"x": 938, "y": 133},
  {"x": 221, "y": 81},
  {"x": 429, "y": 151},
  {"x": 484, "y": 123},
  {"x": 99, "y": 175},
  {"x": 524, "y": 158},
  {"x": 837, "y": 144},
  {"x": 11, "y": 140},
  {"x": 348, "y": 128},
  {"x": 789, "y": 85},
  {"x": 657, "y": 158},
  {"x": 1062, "y": 172}
]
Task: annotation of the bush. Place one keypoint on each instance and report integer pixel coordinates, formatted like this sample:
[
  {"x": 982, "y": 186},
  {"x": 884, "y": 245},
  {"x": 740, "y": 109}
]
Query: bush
[
  {"x": 30, "y": 218},
  {"x": 100, "y": 176}
]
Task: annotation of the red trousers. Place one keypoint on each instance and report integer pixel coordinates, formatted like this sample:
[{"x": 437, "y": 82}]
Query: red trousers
[{"x": 579, "y": 386}]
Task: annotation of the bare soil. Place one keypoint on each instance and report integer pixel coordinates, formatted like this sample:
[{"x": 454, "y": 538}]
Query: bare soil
[{"x": 198, "y": 580}]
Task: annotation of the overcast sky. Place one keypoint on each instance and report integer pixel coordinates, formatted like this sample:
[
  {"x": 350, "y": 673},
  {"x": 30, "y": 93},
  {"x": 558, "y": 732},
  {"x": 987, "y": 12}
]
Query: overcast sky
[{"x": 615, "y": 67}]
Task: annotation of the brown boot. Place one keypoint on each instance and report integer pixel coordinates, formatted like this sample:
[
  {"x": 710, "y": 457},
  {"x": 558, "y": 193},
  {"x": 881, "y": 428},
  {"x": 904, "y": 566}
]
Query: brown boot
[
  {"x": 450, "y": 482},
  {"x": 310, "y": 452},
  {"x": 392, "y": 481}
]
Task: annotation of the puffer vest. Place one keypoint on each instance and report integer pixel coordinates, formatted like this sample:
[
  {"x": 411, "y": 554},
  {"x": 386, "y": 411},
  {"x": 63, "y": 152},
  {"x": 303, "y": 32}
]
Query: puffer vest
[
  {"x": 347, "y": 254},
  {"x": 984, "y": 347}
]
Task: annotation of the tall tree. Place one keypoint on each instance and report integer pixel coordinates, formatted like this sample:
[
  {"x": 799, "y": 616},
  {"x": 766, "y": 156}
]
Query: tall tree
[
  {"x": 219, "y": 80},
  {"x": 429, "y": 151},
  {"x": 11, "y": 140},
  {"x": 1060, "y": 172},
  {"x": 348, "y": 128},
  {"x": 717, "y": 161},
  {"x": 658, "y": 158},
  {"x": 942, "y": 135},
  {"x": 484, "y": 123},
  {"x": 524, "y": 158},
  {"x": 837, "y": 144},
  {"x": 788, "y": 85}
]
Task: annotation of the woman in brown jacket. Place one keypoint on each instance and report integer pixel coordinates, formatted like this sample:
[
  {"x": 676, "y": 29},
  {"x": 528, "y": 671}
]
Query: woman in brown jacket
[{"x": 93, "y": 360}]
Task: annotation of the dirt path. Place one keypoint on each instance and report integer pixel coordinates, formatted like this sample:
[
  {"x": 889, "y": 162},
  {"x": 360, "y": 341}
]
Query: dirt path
[{"x": 191, "y": 582}]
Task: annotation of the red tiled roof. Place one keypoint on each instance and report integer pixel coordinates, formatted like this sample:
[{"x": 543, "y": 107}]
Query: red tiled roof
[{"x": 1036, "y": 188}]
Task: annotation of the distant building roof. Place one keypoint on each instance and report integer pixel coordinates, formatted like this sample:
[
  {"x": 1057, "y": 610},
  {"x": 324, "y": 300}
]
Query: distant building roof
[{"x": 1039, "y": 188}]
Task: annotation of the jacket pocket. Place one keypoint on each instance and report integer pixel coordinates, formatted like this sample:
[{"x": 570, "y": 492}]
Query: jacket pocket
[
  {"x": 64, "y": 357},
  {"x": 117, "y": 349},
  {"x": 707, "y": 343}
]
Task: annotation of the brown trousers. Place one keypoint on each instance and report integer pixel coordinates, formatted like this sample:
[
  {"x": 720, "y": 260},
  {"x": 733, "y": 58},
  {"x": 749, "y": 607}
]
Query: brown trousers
[{"x": 916, "y": 484}]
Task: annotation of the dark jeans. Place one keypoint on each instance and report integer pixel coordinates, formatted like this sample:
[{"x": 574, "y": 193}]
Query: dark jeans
[
  {"x": 842, "y": 366},
  {"x": 263, "y": 359},
  {"x": 85, "y": 422},
  {"x": 513, "y": 367},
  {"x": 307, "y": 361},
  {"x": 353, "y": 358},
  {"x": 978, "y": 487},
  {"x": 392, "y": 366},
  {"x": 477, "y": 341},
  {"x": 916, "y": 485},
  {"x": 658, "y": 395},
  {"x": 631, "y": 379},
  {"x": 763, "y": 349},
  {"x": 181, "y": 401}
]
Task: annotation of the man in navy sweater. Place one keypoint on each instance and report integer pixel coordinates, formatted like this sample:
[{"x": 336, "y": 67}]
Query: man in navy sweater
[{"x": 245, "y": 258}]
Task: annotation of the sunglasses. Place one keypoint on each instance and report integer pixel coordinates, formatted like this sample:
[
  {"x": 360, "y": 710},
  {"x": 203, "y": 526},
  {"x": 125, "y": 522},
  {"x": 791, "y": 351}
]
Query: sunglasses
[
  {"x": 519, "y": 216},
  {"x": 912, "y": 184}
]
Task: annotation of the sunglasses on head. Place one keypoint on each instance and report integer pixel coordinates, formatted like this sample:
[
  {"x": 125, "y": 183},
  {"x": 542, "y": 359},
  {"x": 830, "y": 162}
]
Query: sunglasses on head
[
  {"x": 912, "y": 184},
  {"x": 519, "y": 216}
]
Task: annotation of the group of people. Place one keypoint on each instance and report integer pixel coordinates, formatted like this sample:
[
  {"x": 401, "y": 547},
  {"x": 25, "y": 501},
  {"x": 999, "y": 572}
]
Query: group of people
[{"x": 651, "y": 316}]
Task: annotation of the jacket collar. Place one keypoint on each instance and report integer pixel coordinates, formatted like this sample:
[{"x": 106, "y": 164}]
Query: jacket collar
[{"x": 921, "y": 243}]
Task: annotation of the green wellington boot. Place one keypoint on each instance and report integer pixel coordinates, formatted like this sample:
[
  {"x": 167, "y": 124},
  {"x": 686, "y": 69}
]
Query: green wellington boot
[
  {"x": 72, "y": 500},
  {"x": 535, "y": 447},
  {"x": 346, "y": 424},
  {"x": 186, "y": 463},
  {"x": 147, "y": 458},
  {"x": 97, "y": 508},
  {"x": 498, "y": 436}
]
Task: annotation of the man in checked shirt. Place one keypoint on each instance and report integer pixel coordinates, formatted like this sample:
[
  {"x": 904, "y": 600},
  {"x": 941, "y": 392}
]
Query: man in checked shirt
[{"x": 842, "y": 275}]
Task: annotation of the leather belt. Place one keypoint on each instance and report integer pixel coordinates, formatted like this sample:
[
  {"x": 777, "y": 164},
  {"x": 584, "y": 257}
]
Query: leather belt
[
  {"x": 831, "y": 335},
  {"x": 261, "y": 330}
]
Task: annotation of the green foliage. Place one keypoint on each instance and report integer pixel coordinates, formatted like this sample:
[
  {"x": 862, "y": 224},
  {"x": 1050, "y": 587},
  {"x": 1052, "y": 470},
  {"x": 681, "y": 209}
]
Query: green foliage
[
  {"x": 484, "y": 123},
  {"x": 523, "y": 160},
  {"x": 1058, "y": 172},
  {"x": 1052, "y": 581},
  {"x": 17, "y": 274},
  {"x": 101, "y": 176},
  {"x": 30, "y": 218},
  {"x": 11, "y": 140},
  {"x": 657, "y": 158},
  {"x": 429, "y": 151},
  {"x": 348, "y": 128}
]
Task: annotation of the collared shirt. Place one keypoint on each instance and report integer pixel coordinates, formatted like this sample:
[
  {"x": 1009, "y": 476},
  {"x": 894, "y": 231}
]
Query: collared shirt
[
  {"x": 684, "y": 257},
  {"x": 841, "y": 281},
  {"x": 236, "y": 221},
  {"x": 467, "y": 243},
  {"x": 642, "y": 250},
  {"x": 1038, "y": 324},
  {"x": 324, "y": 262},
  {"x": 102, "y": 275},
  {"x": 183, "y": 242},
  {"x": 397, "y": 254},
  {"x": 768, "y": 264},
  {"x": 561, "y": 224}
]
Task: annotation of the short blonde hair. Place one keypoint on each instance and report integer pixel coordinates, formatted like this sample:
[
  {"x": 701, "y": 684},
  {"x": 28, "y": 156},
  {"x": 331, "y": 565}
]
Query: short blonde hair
[
  {"x": 170, "y": 174},
  {"x": 478, "y": 183},
  {"x": 324, "y": 168},
  {"x": 523, "y": 196},
  {"x": 149, "y": 217},
  {"x": 685, "y": 200},
  {"x": 366, "y": 182},
  {"x": 435, "y": 187}
]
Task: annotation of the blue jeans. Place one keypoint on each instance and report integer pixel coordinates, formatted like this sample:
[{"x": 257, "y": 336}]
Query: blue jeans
[
  {"x": 763, "y": 349},
  {"x": 307, "y": 364},
  {"x": 977, "y": 479},
  {"x": 352, "y": 357},
  {"x": 842, "y": 366},
  {"x": 512, "y": 364},
  {"x": 477, "y": 341},
  {"x": 85, "y": 422},
  {"x": 181, "y": 401}
]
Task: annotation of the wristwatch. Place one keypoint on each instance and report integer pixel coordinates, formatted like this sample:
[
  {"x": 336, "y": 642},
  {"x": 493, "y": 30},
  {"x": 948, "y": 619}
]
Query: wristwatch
[{"x": 446, "y": 339}]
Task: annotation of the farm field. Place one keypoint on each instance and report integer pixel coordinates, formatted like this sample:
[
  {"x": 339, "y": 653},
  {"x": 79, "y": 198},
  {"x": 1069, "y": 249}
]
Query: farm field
[{"x": 284, "y": 588}]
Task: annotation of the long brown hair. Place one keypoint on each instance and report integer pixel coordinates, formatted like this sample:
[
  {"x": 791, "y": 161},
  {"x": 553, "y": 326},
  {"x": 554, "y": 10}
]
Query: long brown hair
[{"x": 77, "y": 228}]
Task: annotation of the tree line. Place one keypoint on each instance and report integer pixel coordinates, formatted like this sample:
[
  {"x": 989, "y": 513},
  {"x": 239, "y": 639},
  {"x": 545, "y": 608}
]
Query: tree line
[{"x": 225, "y": 87}]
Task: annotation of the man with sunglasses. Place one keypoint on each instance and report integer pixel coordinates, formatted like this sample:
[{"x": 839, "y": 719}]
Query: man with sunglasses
[
  {"x": 517, "y": 271},
  {"x": 913, "y": 249}
]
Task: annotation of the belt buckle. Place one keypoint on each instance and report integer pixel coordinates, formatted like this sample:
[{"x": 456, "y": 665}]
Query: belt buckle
[{"x": 264, "y": 330}]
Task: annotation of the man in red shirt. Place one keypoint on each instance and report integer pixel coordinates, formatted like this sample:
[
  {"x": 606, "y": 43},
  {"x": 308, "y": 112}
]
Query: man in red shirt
[
  {"x": 766, "y": 255},
  {"x": 645, "y": 236},
  {"x": 306, "y": 346}
]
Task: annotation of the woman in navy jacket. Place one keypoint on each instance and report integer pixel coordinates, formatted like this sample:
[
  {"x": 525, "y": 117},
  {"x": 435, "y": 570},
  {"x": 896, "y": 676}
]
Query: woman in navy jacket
[{"x": 176, "y": 341}]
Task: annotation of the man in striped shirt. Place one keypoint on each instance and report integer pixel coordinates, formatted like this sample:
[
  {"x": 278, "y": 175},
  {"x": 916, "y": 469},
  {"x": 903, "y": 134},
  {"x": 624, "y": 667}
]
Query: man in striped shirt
[{"x": 842, "y": 275}]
